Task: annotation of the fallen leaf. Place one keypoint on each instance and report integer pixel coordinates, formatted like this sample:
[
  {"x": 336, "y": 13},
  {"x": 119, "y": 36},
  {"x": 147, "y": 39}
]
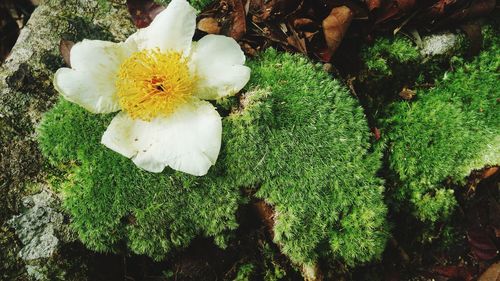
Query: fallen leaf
[
  {"x": 294, "y": 39},
  {"x": 492, "y": 273},
  {"x": 494, "y": 214},
  {"x": 209, "y": 25},
  {"x": 471, "y": 9},
  {"x": 248, "y": 49},
  {"x": 65, "y": 50},
  {"x": 488, "y": 172},
  {"x": 335, "y": 26},
  {"x": 373, "y": 4},
  {"x": 394, "y": 10},
  {"x": 143, "y": 11},
  {"x": 454, "y": 272},
  {"x": 302, "y": 22},
  {"x": 376, "y": 133},
  {"x": 309, "y": 35},
  {"x": 440, "y": 7},
  {"x": 481, "y": 244},
  {"x": 271, "y": 9},
  {"x": 407, "y": 94},
  {"x": 237, "y": 14}
]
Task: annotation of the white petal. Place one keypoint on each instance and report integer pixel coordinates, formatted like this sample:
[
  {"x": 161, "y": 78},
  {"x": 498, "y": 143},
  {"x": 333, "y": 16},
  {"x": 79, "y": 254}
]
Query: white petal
[
  {"x": 218, "y": 61},
  {"x": 188, "y": 140},
  {"x": 171, "y": 30},
  {"x": 90, "y": 82}
]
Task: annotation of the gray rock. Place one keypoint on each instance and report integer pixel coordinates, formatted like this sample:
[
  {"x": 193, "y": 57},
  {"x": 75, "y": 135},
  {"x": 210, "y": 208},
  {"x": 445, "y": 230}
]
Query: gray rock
[
  {"x": 440, "y": 44},
  {"x": 37, "y": 225}
]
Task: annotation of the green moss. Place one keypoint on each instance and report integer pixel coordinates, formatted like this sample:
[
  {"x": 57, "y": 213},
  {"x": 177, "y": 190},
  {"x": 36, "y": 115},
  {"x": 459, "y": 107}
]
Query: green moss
[
  {"x": 386, "y": 52},
  {"x": 197, "y": 4},
  {"x": 300, "y": 140},
  {"x": 394, "y": 63},
  {"x": 110, "y": 199},
  {"x": 245, "y": 272},
  {"x": 307, "y": 143},
  {"x": 447, "y": 132},
  {"x": 272, "y": 270}
]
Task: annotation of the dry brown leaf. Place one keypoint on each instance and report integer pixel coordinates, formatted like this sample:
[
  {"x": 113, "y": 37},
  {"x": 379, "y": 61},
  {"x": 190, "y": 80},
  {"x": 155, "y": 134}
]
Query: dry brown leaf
[
  {"x": 65, "y": 50},
  {"x": 209, "y": 25},
  {"x": 494, "y": 215},
  {"x": 335, "y": 26},
  {"x": 274, "y": 8},
  {"x": 143, "y": 11},
  {"x": 238, "y": 26},
  {"x": 395, "y": 9},
  {"x": 376, "y": 133},
  {"x": 488, "y": 172},
  {"x": 461, "y": 10},
  {"x": 481, "y": 244},
  {"x": 302, "y": 22},
  {"x": 440, "y": 7},
  {"x": 373, "y": 4},
  {"x": 491, "y": 274},
  {"x": 454, "y": 272},
  {"x": 407, "y": 94}
]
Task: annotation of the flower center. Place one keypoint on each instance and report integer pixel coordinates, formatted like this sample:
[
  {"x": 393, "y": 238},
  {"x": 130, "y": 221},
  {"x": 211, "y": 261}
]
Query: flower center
[{"x": 151, "y": 83}]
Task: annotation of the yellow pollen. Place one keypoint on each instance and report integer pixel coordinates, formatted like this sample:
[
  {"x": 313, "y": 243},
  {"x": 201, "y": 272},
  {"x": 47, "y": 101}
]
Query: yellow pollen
[{"x": 151, "y": 83}]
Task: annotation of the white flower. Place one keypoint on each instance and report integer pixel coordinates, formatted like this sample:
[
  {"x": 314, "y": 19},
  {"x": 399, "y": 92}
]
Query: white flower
[{"x": 159, "y": 80}]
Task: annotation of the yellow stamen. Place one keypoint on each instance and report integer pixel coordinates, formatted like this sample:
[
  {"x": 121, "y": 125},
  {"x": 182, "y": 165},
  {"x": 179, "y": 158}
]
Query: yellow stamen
[{"x": 151, "y": 83}]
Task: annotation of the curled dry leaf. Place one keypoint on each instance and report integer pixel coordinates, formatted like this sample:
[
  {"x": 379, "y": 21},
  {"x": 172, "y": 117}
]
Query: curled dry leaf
[
  {"x": 303, "y": 23},
  {"x": 488, "y": 172},
  {"x": 209, "y": 25},
  {"x": 65, "y": 50},
  {"x": 481, "y": 244},
  {"x": 407, "y": 94},
  {"x": 143, "y": 11},
  {"x": 335, "y": 26}
]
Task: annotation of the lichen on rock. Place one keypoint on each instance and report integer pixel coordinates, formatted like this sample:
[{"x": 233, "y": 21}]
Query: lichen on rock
[
  {"x": 439, "y": 44},
  {"x": 36, "y": 227}
]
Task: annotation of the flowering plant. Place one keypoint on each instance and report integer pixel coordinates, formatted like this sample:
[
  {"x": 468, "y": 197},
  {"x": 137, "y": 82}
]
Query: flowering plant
[{"x": 159, "y": 81}]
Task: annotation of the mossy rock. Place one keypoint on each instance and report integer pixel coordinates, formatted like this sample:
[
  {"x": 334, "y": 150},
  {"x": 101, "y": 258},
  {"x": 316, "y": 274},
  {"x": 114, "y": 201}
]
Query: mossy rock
[
  {"x": 438, "y": 139},
  {"x": 298, "y": 140}
]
